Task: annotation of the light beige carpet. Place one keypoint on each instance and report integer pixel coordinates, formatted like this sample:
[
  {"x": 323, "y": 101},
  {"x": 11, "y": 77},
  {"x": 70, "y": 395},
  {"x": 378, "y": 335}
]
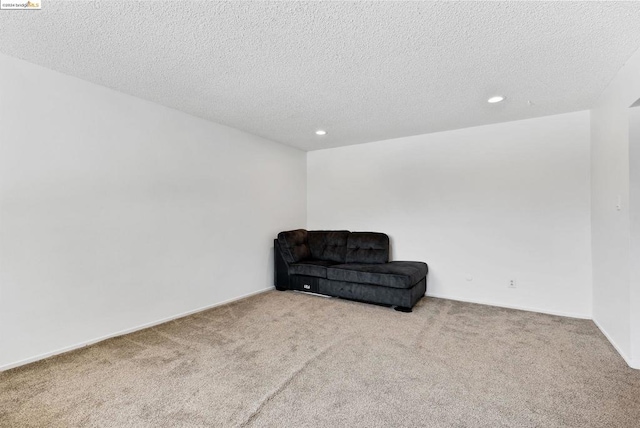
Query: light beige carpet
[{"x": 284, "y": 359}]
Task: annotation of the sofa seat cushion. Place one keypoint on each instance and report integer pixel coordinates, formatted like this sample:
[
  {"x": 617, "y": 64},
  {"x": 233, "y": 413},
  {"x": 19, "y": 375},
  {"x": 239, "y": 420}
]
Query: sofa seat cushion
[
  {"x": 317, "y": 268},
  {"x": 394, "y": 274}
]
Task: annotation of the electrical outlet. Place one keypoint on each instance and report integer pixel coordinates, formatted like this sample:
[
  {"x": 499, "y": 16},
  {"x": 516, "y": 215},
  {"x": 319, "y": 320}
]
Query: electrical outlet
[{"x": 512, "y": 283}]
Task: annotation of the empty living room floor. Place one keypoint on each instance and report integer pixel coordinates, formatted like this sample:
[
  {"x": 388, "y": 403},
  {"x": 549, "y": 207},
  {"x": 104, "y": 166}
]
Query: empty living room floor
[{"x": 288, "y": 359}]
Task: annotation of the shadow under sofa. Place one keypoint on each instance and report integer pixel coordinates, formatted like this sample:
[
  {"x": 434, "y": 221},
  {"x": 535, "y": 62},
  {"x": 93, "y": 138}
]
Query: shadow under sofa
[{"x": 350, "y": 265}]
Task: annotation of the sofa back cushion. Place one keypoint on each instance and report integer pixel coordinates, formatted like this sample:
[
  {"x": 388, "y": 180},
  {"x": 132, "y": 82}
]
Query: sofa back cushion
[
  {"x": 367, "y": 247},
  {"x": 328, "y": 245},
  {"x": 294, "y": 245}
]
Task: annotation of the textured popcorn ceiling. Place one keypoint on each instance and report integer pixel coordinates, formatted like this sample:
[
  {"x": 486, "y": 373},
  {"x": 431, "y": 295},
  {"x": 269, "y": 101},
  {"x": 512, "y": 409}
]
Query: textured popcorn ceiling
[{"x": 364, "y": 71}]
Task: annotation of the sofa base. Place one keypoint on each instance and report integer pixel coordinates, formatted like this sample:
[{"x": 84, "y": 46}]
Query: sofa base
[{"x": 402, "y": 298}]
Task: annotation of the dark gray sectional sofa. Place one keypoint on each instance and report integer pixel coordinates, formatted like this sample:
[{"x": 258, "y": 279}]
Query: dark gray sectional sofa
[{"x": 351, "y": 265}]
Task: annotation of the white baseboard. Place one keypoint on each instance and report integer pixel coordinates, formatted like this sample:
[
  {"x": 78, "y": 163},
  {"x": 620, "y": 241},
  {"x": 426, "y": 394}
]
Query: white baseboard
[
  {"x": 127, "y": 331},
  {"x": 634, "y": 364},
  {"x": 520, "y": 308}
]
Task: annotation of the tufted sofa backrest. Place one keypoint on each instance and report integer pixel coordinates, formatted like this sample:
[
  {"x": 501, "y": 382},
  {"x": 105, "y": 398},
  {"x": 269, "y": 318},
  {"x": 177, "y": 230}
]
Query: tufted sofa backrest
[
  {"x": 329, "y": 245},
  {"x": 294, "y": 245},
  {"x": 339, "y": 246},
  {"x": 367, "y": 247}
]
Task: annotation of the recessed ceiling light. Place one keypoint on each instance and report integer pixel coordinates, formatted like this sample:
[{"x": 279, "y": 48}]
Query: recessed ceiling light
[
  {"x": 321, "y": 132},
  {"x": 495, "y": 99}
]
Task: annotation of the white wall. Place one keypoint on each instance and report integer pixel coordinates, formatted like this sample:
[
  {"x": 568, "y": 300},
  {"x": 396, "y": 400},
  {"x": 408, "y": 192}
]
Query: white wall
[
  {"x": 634, "y": 218},
  {"x": 610, "y": 230},
  {"x": 116, "y": 212},
  {"x": 491, "y": 203}
]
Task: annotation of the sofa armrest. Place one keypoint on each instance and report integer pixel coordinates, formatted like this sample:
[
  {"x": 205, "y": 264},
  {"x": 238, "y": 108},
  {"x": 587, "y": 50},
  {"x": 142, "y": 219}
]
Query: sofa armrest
[{"x": 280, "y": 268}]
